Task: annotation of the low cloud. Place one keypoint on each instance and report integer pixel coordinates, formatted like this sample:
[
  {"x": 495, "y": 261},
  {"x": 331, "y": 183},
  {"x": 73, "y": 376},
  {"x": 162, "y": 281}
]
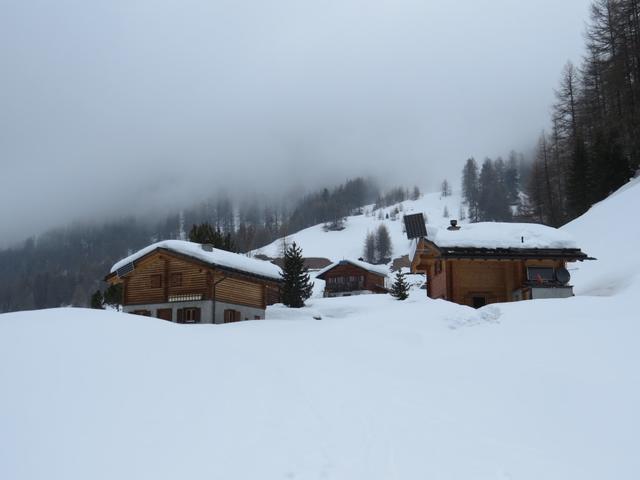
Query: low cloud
[{"x": 129, "y": 106}]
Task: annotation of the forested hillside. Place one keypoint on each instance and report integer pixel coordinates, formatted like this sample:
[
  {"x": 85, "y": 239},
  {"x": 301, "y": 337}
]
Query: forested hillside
[
  {"x": 593, "y": 146},
  {"x": 65, "y": 266}
]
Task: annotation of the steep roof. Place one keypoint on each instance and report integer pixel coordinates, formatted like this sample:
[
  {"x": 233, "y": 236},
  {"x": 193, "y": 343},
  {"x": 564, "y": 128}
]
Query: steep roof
[
  {"x": 215, "y": 257},
  {"x": 377, "y": 269}
]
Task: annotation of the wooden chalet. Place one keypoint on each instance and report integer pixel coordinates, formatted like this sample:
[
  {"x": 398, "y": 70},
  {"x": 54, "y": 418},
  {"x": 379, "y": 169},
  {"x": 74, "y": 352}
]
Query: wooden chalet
[
  {"x": 187, "y": 282},
  {"x": 353, "y": 277},
  {"x": 482, "y": 263}
]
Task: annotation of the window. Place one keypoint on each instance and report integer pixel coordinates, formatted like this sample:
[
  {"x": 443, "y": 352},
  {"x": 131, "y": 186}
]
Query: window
[
  {"x": 231, "y": 316},
  {"x": 257, "y": 317},
  {"x": 175, "y": 280},
  {"x": 189, "y": 315},
  {"x": 165, "y": 314},
  {"x": 144, "y": 313},
  {"x": 541, "y": 274},
  {"x": 156, "y": 281}
]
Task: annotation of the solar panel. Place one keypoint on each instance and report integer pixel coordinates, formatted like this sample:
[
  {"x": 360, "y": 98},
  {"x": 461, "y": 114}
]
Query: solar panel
[
  {"x": 122, "y": 271},
  {"x": 415, "y": 226}
]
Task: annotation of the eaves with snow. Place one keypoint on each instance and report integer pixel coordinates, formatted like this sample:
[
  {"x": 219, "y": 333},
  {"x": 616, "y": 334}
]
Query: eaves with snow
[{"x": 212, "y": 256}]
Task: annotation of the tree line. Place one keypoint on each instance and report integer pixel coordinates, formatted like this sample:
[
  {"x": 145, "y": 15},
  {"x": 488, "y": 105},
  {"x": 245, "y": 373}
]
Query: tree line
[
  {"x": 491, "y": 192},
  {"x": 593, "y": 146}
]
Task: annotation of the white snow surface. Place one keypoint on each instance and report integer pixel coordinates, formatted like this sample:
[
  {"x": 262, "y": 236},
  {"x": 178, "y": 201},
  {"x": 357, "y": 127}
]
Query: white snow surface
[
  {"x": 379, "y": 269},
  {"x": 609, "y": 231},
  {"x": 375, "y": 389},
  {"x": 502, "y": 235},
  {"x": 349, "y": 243},
  {"x": 215, "y": 257}
]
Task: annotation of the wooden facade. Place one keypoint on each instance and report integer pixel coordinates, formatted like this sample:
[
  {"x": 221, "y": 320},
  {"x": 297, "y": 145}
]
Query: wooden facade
[
  {"x": 164, "y": 277},
  {"x": 346, "y": 278},
  {"x": 479, "y": 276}
]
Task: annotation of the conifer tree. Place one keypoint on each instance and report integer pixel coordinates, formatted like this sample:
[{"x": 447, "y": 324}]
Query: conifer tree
[
  {"x": 400, "y": 288},
  {"x": 297, "y": 286},
  {"x": 97, "y": 301},
  {"x": 113, "y": 296}
]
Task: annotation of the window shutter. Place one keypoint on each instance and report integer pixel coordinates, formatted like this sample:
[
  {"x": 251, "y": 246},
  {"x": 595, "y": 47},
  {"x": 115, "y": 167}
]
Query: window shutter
[
  {"x": 180, "y": 315},
  {"x": 236, "y": 315},
  {"x": 197, "y": 315}
]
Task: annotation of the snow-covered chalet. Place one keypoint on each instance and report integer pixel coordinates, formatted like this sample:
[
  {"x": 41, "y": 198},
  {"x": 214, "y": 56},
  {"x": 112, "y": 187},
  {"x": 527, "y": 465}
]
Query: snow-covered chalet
[
  {"x": 480, "y": 263},
  {"x": 353, "y": 277},
  {"x": 188, "y": 282}
]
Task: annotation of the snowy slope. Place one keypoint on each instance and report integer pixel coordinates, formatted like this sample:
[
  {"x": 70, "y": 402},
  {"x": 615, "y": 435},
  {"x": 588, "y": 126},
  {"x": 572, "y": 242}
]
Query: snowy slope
[
  {"x": 348, "y": 243},
  {"x": 609, "y": 231},
  {"x": 376, "y": 389}
]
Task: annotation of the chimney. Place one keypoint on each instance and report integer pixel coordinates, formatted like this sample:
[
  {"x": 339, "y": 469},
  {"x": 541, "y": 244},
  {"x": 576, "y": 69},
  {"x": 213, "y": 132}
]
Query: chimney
[{"x": 454, "y": 225}]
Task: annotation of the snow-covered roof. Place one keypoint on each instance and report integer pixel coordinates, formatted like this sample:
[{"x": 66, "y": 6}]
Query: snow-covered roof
[
  {"x": 217, "y": 257},
  {"x": 501, "y": 235},
  {"x": 378, "y": 269}
]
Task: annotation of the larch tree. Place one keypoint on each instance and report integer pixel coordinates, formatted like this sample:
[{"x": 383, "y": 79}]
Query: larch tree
[
  {"x": 384, "y": 248},
  {"x": 470, "y": 189}
]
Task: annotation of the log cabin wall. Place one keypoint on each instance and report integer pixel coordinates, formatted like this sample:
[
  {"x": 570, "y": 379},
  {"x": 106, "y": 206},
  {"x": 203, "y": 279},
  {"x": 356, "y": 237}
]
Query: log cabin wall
[
  {"x": 495, "y": 280},
  {"x": 232, "y": 290},
  {"x": 437, "y": 279},
  {"x": 163, "y": 277}
]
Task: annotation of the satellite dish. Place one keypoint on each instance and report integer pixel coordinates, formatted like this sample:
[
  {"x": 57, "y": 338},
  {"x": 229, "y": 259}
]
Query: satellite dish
[{"x": 563, "y": 276}]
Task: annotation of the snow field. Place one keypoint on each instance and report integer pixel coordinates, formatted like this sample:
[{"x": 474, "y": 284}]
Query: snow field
[{"x": 375, "y": 389}]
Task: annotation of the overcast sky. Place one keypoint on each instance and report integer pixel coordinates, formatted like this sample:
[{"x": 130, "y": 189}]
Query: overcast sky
[{"x": 123, "y": 105}]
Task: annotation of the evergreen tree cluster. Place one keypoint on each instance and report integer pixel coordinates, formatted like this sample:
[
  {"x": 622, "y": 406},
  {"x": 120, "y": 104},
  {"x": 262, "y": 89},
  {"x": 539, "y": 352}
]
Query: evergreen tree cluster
[
  {"x": 205, "y": 233},
  {"x": 593, "y": 146},
  {"x": 491, "y": 191},
  {"x": 377, "y": 246},
  {"x": 396, "y": 195},
  {"x": 332, "y": 206},
  {"x": 111, "y": 297}
]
